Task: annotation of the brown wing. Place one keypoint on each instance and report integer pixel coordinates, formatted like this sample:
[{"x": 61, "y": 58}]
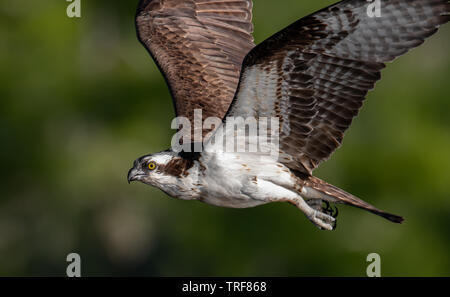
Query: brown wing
[
  {"x": 199, "y": 46},
  {"x": 314, "y": 74}
]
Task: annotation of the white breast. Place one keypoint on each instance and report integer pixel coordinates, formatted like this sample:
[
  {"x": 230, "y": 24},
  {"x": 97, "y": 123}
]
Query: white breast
[{"x": 241, "y": 180}]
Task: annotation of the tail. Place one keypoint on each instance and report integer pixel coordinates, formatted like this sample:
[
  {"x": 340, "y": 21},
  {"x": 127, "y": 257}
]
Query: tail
[{"x": 314, "y": 186}]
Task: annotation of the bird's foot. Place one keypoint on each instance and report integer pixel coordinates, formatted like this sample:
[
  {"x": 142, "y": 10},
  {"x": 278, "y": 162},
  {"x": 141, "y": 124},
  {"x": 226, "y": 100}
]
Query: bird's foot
[
  {"x": 328, "y": 209},
  {"x": 322, "y": 214},
  {"x": 316, "y": 212},
  {"x": 322, "y": 220}
]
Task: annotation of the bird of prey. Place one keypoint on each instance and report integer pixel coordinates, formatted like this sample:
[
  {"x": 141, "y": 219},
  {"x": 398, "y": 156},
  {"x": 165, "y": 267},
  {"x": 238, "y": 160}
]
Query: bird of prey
[{"x": 311, "y": 76}]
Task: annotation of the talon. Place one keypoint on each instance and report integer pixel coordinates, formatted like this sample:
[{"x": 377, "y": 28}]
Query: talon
[
  {"x": 327, "y": 204},
  {"x": 336, "y": 212},
  {"x": 321, "y": 214}
]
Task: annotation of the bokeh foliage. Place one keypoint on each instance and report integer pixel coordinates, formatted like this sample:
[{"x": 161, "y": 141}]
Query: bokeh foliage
[{"x": 81, "y": 99}]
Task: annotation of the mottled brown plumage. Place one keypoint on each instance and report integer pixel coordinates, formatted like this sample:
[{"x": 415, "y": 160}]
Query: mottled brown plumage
[
  {"x": 324, "y": 65},
  {"x": 199, "y": 46}
]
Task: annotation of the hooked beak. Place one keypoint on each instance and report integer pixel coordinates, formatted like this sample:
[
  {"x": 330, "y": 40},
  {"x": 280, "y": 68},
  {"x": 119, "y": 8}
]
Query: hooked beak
[{"x": 133, "y": 174}]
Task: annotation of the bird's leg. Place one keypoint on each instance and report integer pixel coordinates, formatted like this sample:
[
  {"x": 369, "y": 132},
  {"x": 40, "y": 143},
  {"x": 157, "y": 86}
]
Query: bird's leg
[
  {"x": 314, "y": 212},
  {"x": 317, "y": 204}
]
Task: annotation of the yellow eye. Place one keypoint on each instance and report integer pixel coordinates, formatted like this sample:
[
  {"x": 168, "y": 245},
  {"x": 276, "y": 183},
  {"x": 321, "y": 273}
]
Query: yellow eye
[{"x": 151, "y": 165}]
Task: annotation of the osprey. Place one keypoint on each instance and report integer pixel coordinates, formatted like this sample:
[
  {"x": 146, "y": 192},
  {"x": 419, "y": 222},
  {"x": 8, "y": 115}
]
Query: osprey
[{"x": 312, "y": 77}]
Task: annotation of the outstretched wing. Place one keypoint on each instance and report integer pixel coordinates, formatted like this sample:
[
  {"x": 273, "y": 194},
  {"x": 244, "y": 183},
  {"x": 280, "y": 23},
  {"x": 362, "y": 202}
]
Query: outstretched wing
[
  {"x": 199, "y": 46},
  {"x": 314, "y": 74}
]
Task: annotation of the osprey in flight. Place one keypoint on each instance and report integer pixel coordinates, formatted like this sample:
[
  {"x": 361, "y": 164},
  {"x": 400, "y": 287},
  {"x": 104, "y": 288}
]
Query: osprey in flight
[{"x": 312, "y": 77}]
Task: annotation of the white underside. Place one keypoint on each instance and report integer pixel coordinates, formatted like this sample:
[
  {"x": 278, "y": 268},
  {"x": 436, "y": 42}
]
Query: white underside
[{"x": 241, "y": 180}]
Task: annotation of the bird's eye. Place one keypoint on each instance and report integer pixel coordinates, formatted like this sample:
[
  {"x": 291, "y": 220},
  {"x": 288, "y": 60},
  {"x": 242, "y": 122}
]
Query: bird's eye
[{"x": 151, "y": 165}]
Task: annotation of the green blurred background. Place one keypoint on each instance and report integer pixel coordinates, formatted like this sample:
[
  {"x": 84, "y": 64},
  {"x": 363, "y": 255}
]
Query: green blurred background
[{"x": 81, "y": 99}]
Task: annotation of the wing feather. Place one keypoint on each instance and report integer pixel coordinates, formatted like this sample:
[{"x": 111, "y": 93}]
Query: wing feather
[
  {"x": 199, "y": 46},
  {"x": 315, "y": 74}
]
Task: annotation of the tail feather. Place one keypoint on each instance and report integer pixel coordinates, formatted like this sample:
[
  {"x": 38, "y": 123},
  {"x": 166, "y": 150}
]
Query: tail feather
[{"x": 334, "y": 194}]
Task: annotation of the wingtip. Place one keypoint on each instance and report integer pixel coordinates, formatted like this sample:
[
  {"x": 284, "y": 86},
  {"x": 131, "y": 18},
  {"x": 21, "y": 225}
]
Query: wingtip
[{"x": 391, "y": 217}]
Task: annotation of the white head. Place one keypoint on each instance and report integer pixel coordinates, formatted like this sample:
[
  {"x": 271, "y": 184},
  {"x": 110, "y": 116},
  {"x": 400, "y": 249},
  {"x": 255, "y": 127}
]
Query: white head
[{"x": 164, "y": 170}]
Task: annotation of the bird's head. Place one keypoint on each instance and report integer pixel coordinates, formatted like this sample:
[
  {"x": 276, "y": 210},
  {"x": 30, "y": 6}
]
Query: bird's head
[
  {"x": 151, "y": 169},
  {"x": 162, "y": 170}
]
